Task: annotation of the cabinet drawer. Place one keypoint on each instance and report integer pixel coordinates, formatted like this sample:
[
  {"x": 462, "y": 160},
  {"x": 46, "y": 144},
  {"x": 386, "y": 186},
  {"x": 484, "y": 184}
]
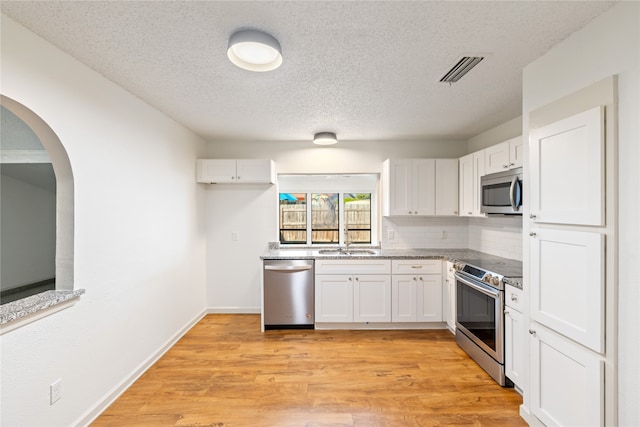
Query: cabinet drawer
[
  {"x": 513, "y": 298},
  {"x": 416, "y": 266},
  {"x": 356, "y": 266}
]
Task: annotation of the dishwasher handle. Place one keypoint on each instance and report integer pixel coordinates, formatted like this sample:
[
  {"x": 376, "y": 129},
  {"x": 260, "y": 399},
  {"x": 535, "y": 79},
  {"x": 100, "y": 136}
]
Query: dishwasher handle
[{"x": 288, "y": 268}]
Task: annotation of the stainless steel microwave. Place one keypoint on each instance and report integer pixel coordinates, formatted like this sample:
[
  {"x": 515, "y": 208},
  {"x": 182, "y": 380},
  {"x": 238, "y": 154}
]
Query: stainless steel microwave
[{"x": 501, "y": 192}]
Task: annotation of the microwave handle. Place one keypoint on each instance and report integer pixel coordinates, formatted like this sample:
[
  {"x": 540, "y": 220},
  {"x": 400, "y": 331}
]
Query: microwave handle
[{"x": 512, "y": 195}]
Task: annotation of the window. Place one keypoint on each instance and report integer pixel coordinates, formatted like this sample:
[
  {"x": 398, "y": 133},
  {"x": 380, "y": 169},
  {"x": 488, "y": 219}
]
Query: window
[{"x": 309, "y": 214}]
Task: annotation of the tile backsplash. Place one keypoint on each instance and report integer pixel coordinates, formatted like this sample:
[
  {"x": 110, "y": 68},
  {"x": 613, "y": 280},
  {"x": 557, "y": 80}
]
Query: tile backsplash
[
  {"x": 424, "y": 232},
  {"x": 500, "y": 236}
]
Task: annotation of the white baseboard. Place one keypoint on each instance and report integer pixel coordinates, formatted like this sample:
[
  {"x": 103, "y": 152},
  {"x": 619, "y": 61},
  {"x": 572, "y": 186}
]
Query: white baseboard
[
  {"x": 233, "y": 310},
  {"x": 90, "y": 415}
]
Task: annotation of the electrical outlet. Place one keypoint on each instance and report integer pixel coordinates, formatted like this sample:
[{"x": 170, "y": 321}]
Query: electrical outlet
[
  {"x": 391, "y": 235},
  {"x": 55, "y": 390}
]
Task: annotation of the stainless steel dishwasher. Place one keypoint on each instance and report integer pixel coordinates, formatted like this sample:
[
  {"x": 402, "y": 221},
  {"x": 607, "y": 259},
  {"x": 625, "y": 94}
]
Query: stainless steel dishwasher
[{"x": 288, "y": 294}]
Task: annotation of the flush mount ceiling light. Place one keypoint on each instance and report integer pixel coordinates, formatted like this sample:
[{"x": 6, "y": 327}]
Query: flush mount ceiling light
[
  {"x": 254, "y": 51},
  {"x": 325, "y": 138}
]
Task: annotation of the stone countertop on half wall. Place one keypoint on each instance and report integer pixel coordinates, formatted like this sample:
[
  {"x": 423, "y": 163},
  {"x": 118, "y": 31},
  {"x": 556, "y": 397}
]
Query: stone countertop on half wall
[
  {"x": 34, "y": 305},
  {"x": 511, "y": 269}
]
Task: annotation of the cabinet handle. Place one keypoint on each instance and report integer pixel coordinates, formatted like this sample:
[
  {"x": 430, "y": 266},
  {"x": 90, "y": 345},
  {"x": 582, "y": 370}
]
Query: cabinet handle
[
  {"x": 532, "y": 234},
  {"x": 470, "y": 213},
  {"x": 357, "y": 279},
  {"x": 416, "y": 266},
  {"x": 505, "y": 166},
  {"x": 350, "y": 279},
  {"x": 511, "y": 164},
  {"x": 532, "y": 332},
  {"x": 532, "y": 216},
  {"x": 514, "y": 297},
  {"x": 506, "y": 312}
]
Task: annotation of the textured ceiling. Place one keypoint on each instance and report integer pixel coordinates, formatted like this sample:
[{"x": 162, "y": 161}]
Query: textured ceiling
[{"x": 365, "y": 70}]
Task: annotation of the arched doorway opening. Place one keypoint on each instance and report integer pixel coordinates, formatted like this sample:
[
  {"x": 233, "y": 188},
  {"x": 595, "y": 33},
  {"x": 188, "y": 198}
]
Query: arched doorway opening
[{"x": 30, "y": 161}]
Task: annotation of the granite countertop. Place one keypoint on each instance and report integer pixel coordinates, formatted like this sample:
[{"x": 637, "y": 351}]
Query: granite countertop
[
  {"x": 30, "y": 305},
  {"x": 511, "y": 269}
]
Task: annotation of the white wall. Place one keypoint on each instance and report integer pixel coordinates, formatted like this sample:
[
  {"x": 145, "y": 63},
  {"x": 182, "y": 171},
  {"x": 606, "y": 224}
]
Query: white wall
[
  {"x": 496, "y": 135},
  {"x": 28, "y": 233},
  {"x": 139, "y": 238},
  {"x": 608, "y": 46}
]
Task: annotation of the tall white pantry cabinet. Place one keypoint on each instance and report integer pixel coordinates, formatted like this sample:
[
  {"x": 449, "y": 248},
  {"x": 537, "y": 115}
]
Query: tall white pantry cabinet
[{"x": 571, "y": 365}]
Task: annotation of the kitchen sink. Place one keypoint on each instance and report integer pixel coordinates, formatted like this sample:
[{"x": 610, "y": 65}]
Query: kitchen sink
[{"x": 346, "y": 252}]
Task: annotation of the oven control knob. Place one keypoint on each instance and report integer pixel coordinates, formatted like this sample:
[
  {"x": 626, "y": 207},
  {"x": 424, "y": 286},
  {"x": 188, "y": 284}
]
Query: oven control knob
[
  {"x": 458, "y": 266},
  {"x": 487, "y": 278},
  {"x": 495, "y": 280}
]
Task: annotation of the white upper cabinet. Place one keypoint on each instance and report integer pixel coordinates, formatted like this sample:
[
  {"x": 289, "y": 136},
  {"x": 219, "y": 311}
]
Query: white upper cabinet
[
  {"x": 567, "y": 170},
  {"x": 235, "y": 171},
  {"x": 471, "y": 168},
  {"x": 503, "y": 156},
  {"x": 446, "y": 187},
  {"x": 420, "y": 187}
]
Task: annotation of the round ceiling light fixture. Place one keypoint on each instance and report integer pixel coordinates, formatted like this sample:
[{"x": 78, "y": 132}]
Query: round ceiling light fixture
[
  {"x": 325, "y": 138},
  {"x": 254, "y": 50}
]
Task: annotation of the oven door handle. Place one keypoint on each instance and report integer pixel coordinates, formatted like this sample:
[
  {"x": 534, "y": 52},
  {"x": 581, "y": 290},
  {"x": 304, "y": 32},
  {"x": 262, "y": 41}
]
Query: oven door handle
[{"x": 494, "y": 293}]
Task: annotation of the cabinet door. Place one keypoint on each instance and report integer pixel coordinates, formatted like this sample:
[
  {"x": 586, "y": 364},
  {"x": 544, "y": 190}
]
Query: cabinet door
[
  {"x": 403, "y": 298},
  {"x": 466, "y": 185},
  {"x": 429, "y": 294},
  {"x": 567, "y": 170},
  {"x": 424, "y": 176},
  {"x": 255, "y": 171},
  {"x": 479, "y": 171},
  {"x": 446, "y": 187},
  {"x": 334, "y": 298},
  {"x": 567, "y": 284},
  {"x": 496, "y": 157},
  {"x": 514, "y": 339},
  {"x": 515, "y": 152},
  {"x": 372, "y": 298},
  {"x": 567, "y": 381},
  {"x": 400, "y": 187},
  {"x": 216, "y": 170}
]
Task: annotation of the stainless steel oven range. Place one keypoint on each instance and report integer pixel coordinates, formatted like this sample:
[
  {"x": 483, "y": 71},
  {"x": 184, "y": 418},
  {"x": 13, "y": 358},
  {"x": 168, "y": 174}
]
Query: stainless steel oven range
[{"x": 480, "y": 317}]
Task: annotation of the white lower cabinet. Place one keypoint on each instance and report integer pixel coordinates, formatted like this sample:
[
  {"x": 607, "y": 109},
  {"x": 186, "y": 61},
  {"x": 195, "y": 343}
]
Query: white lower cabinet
[
  {"x": 334, "y": 298},
  {"x": 449, "y": 296},
  {"x": 416, "y": 297},
  {"x": 567, "y": 381},
  {"x": 515, "y": 335},
  {"x": 372, "y": 298},
  {"x": 349, "y": 291}
]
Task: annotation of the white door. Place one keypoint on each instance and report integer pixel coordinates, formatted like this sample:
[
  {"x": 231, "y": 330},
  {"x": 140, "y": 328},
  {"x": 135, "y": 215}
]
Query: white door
[
  {"x": 567, "y": 381},
  {"x": 403, "y": 298},
  {"x": 567, "y": 170},
  {"x": 400, "y": 187},
  {"x": 333, "y": 298},
  {"x": 514, "y": 345},
  {"x": 254, "y": 170},
  {"x": 516, "y": 153},
  {"x": 567, "y": 284},
  {"x": 446, "y": 190},
  {"x": 424, "y": 184},
  {"x": 478, "y": 172},
  {"x": 466, "y": 182},
  {"x": 216, "y": 170},
  {"x": 372, "y": 298},
  {"x": 429, "y": 294},
  {"x": 496, "y": 157}
]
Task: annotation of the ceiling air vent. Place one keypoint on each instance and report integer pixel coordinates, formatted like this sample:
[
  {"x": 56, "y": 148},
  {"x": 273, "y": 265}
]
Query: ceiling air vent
[{"x": 462, "y": 67}]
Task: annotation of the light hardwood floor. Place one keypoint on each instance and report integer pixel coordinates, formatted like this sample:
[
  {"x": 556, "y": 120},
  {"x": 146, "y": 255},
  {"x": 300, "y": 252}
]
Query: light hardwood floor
[{"x": 225, "y": 372}]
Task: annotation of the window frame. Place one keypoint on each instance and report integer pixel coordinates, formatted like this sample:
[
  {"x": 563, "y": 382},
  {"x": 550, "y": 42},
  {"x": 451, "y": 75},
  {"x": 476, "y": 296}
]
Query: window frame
[{"x": 340, "y": 184}]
